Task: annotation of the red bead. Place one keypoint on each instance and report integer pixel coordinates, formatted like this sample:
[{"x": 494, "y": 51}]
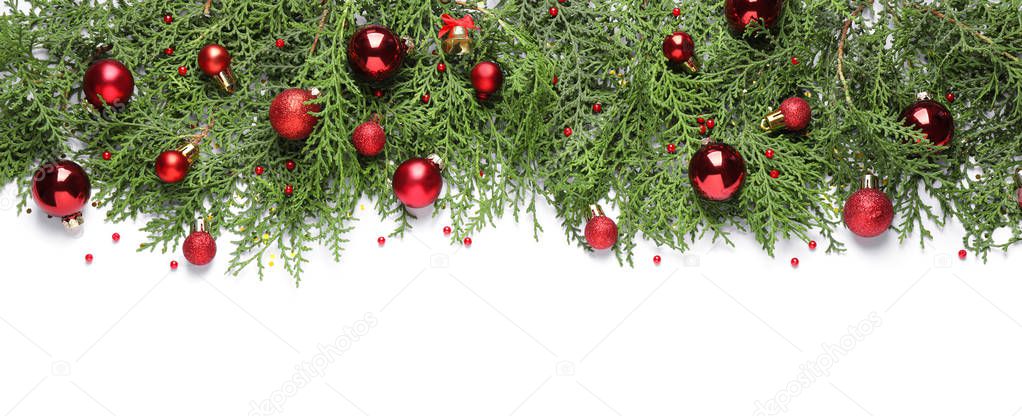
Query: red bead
[
  {"x": 291, "y": 116},
  {"x": 794, "y": 60},
  {"x": 671, "y": 148},
  {"x": 417, "y": 182},
  {"x": 597, "y": 108},
  {"x": 769, "y": 153},
  {"x": 962, "y": 254},
  {"x": 441, "y": 67},
  {"x": 482, "y": 173},
  {"x": 199, "y": 248},
  {"x": 280, "y": 43},
  {"x": 568, "y": 132},
  {"x": 381, "y": 241},
  {"x": 812, "y": 244},
  {"x": 290, "y": 165},
  {"x": 447, "y": 230},
  {"x": 182, "y": 71},
  {"x": 214, "y": 59},
  {"x": 467, "y": 241},
  {"x": 676, "y": 12},
  {"x": 289, "y": 190},
  {"x": 173, "y": 265},
  {"x": 369, "y": 138},
  {"x": 107, "y": 155},
  {"x": 717, "y": 172},
  {"x": 950, "y": 97},
  {"x": 425, "y": 98},
  {"x": 168, "y": 51},
  {"x": 172, "y": 166},
  {"x": 656, "y": 260},
  {"x": 259, "y": 170},
  {"x": 678, "y": 48},
  {"x": 61, "y": 188},
  {"x": 168, "y": 19},
  {"x": 794, "y": 262},
  {"x": 868, "y": 212},
  {"x": 116, "y": 237},
  {"x": 601, "y": 232},
  {"x": 108, "y": 81},
  {"x": 933, "y": 119},
  {"x": 88, "y": 258},
  {"x": 710, "y": 124},
  {"x": 700, "y": 120},
  {"x": 375, "y": 53},
  {"x": 740, "y": 13},
  {"x": 556, "y": 80},
  {"x": 797, "y": 113},
  {"x": 487, "y": 78},
  {"x": 553, "y": 12},
  {"x": 775, "y": 173},
  {"x": 702, "y": 129},
  {"x": 378, "y": 93}
]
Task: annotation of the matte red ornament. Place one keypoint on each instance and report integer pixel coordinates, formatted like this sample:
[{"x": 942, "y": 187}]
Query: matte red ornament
[
  {"x": 680, "y": 51},
  {"x": 375, "y": 53},
  {"x": 868, "y": 212},
  {"x": 932, "y": 118},
  {"x": 215, "y": 61},
  {"x": 109, "y": 79},
  {"x": 62, "y": 189},
  {"x": 740, "y": 13},
  {"x": 369, "y": 138},
  {"x": 199, "y": 247},
  {"x": 291, "y": 116},
  {"x": 487, "y": 78},
  {"x": 417, "y": 182},
  {"x": 717, "y": 172},
  {"x": 601, "y": 231},
  {"x": 172, "y": 166},
  {"x": 794, "y": 115}
]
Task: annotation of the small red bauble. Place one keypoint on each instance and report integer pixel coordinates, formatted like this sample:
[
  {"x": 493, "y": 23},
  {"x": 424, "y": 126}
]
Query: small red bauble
[
  {"x": 62, "y": 189},
  {"x": 369, "y": 138},
  {"x": 868, "y": 212},
  {"x": 291, "y": 117},
  {"x": 425, "y": 98},
  {"x": 556, "y": 80},
  {"x": 553, "y": 12},
  {"x": 378, "y": 93},
  {"x": 740, "y": 13},
  {"x": 598, "y": 108},
  {"x": 676, "y": 12},
  {"x": 793, "y": 115},
  {"x": 700, "y": 120},
  {"x": 933, "y": 119},
  {"x": 962, "y": 254},
  {"x": 215, "y": 61},
  {"x": 950, "y": 97},
  {"x": 289, "y": 190},
  {"x": 107, "y": 155},
  {"x": 168, "y": 51},
  {"x": 812, "y": 244},
  {"x": 711, "y": 123},
  {"x": 417, "y": 182},
  {"x": 1018, "y": 197},
  {"x": 441, "y": 67},
  {"x": 467, "y": 242},
  {"x": 702, "y": 129},
  {"x": 168, "y": 19},
  {"x": 199, "y": 248},
  {"x": 88, "y": 258},
  {"x": 601, "y": 231},
  {"x": 717, "y": 172},
  {"x": 487, "y": 78},
  {"x": 568, "y": 132},
  {"x": 381, "y": 241},
  {"x": 375, "y": 53},
  {"x": 173, "y": 265},
  {"x": 172, "y": 166},
  {"x": 656, "y": 260},
  {"x": 182, "y": 71},
  {"x": 794, "y": 262},
  {"x": 280, "y": 43},
  {"x": 116, "y": 237},
  {"x": 680, "y": 50},
  {"x": 109, "y": 81},
  {"x": 259, "y": 170},
  {"x": 774, "y": 173},
  {"x": 671, "y": 148},
  {"x": 794, "y": 60},
  {"x": 447, "y": 230},
  {"x": 290, "y": 165},
  {"x": 769, "y": 153}
]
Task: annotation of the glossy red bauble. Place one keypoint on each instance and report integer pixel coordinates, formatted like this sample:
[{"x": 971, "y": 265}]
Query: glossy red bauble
[
  {"x": 375, "y": 53},
  {"x": 214, "y": 59},
  {"x": 199, "y": 248},
  {"x": 109, "y": 81},
  {"x": 868, "y": 212},
  {"x": 61, "y": 188},
  {"x": 680, "y": 50},
  {"x": 369, "y": 138},
  {"x": 740, "y": 13},
  {"x": 487, "y": 78},
  {"x": 172, "y": 166},
  {"x": 717, "y": 172},
  {"x": 601, "y": 232},
  {"x": 291, "y": 116},
  {"x": 417, "y": 182},
  {"x": 933, "y": 119}
]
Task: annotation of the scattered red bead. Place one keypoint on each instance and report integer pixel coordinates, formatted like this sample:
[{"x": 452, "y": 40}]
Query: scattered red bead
[
  {"x": 710, "y": 124},
  {"x": 962, "y": 254},
  {"x": 467, "y": 241},
  {"x": 553, "y": 12},
  {"x": 378, "y": 93},
  {"x": 950, "y": 97},
  {"x": 676, "y": 12},
  {"x": 88, "y": 258},
  {"x": 441, "y": 67},
  {"x": 794, "y": 60},
  {"x": 116, "y": 237},
  {"x": 173, "y": 265},
  {"x": 447, "y": 230},
  {"x": 290, "y": 165},
  {"x": 769, "y": 153},
  {"x": 702, "y": 129},
  {"x": 568, "y": 132},
  {"x": 168, "y": 19},
  {"x": 482, "y": 173},
  {"x": 259, "y": 170},
  {"x": 182, "y": 71},
  {"x": 381, "y": 241},
  {"x": 168, "y": 51},
  {"x": 656, "y": 260},
  {"x": 289, "y": 190},
  {"x": 425, "y": 98},
  {"x": 671, "y": 148},
  {"x": 774, "y": 173},
  {"x": 107, "y": 155},
  {"x": 794, "y": 262},
  {"x": 597, "y": 108},
  {"x": 812, "y": 244},
  {"x": 700, "y": 120},
  {"x": 280, "y": 43},
  {"x": 556, "y": 80}
]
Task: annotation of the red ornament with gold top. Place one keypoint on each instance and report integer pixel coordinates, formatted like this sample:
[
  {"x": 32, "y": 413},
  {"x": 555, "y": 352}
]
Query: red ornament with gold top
[
  {"x": 172, "y": 166},
  {"x": 601, "y": 231},
  {"x": 680, "y": 51},
  {"x": 717, "y": 172},
  {"x": 215, "y": 61},
  {"x": 62, "y": 189},
  {"x": 932, "y": 118},
  {"x": 794, "y": 115},
  {"x": 199, "y": 247},
  {"x": 741, "y": 13},
  {"x": 869, "y": 212},
  {"x": 417, "y": 182},
  {"x": 375, "y": 53},
  {"x": 108, "y": 81}
]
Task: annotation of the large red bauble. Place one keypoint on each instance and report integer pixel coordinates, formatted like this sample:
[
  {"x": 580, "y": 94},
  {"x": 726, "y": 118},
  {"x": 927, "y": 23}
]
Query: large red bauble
[
  {"x": 199, "y": 248},
  {"x": 375, "y": 53},
  {"x": 868, "y": 212},
  {"x": 214, "y": 59},
  {"x": 291, "y": 117},
  {"x": 487, "y": 78},
  {"x": 172, "y": 166},
  {"x": 740, "y": 13},
  {"x": 369, "y": 138},
  {"x": 61, "y": 188},
  {"x": 933, "y": 119},
  {"x": 417, "y": 182},
  {"x": 109, "y": 79},
  {"x": 678, "y": 48},
  {"x": 601, "y": 232},
  {"x": 717, "y": 172}
]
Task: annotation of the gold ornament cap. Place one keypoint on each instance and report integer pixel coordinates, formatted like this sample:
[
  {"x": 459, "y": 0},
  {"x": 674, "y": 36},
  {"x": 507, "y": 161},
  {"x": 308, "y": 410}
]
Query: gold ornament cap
[
  {"x": 199, "y": 225},
  {"x": 190, "y": 151},
  {"x": 227, "y": 81},
  {"x": 773, "y": 121},
  {"x": 73, "y": 222},
  {"x": 870, "y": 181},
  {"x": 595, "y": 210}
]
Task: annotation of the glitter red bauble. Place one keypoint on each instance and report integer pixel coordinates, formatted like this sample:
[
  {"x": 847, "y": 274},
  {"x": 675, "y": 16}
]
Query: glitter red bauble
[
  {"x": 291, "y": 116},
  {"x": 61, "y": 188},
  {"x": 717, "y": 172},
  {"x": 369, "y": 138},
  {"x": 375, "y": 53},
  {"x": 933, "y": 119},
  {"x": 172, "y": 166},
  {"x": 678, "y": 48},
  {"x": 601, "y": 232},
  {"x": 214, "y": 59},
  {"x": 417, "y": 182},
  {"x": 868, "y": 212},
  {"x": 109, "y": 79},
  {"x": 199, "y": 248},
  {"x": 487, "y": 78},
  {"x": 797, "y": 113},
  {"x": 740, "y": 13}
]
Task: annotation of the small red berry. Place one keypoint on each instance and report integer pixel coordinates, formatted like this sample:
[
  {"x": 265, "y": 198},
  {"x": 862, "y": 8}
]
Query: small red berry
[
  {"x": 168, "y": 51},
  {"x": 290, "y": 165},
  {"x": 794, "y": 60},
  {"x": 425, "y": 98},
  {"x": 556, "y": 80},
  {"x": 700, "y": 120},
  {"x": 962, "y": 254},
  {"x": 774, "y": 173},
  {"x": 794, "y": 262},
  {"x": 950, "y": 97},
  {"x": 482, "y": 173},
  {"x": 769, "y": 153},
  {"x": 182, "y": 71},
  {"x": 467, "y": 241},
  {"x": 598, "y": 108},
  {"x": 259, "y": 170},
  {"x": 289, "y": 190},
  {"x": 676, "y": 12},
  {"x": 168, "y": 19},
  {"x": 656, "y": 260},
  {"x": 710, "y": 124},
  {"x": 441, "y": 67},
  {"x": 671, "y": 148},
  {"x": 553, "y": 12},
  {"x": 88, "y": 258},
  {"x": 116, "y": 237},
  {"x": 280, "y": 43},
  {"x": 568, "y": 132},
  {"x": 447, "y": 230},
  {"x": 173, "y": 265},
  {"x": 381, "y": 241},
  {"x": 702, "y": 129},
  {"x": 107, "y": 155},
  {"x": 812, "y": 244}
]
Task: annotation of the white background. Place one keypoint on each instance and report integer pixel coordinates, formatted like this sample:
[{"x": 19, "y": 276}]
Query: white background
[{"x": 509, "y": 326}]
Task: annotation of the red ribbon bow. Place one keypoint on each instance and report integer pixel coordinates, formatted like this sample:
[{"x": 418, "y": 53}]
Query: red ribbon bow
[{"x": 450, "y": 23}]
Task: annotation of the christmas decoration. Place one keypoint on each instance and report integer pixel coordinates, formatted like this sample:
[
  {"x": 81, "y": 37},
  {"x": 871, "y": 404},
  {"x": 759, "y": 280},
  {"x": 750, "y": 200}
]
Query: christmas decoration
[
  {"x": 168, "y": 19},
  {"x": 289, "y": 190},
  {"x": 962, "y": 254},
  {"x": 381, "y": 241},
  {"x": 182, "y": 71},
  {"x": 868, "y": 212},
  {"x": 259, "y": 170},
  {"x": 417, "y": 182},
  {"x": 172, "y": 166},
  {"x": 116, "y": 237},
  {"x": 441, "y": 67},
  {"x": 794, "y": 262},
  {"x": 168, "y": 51},
  {"x": 292, "y": 116},
  {"x": 601, "y": 231},
  {"x": 812, "y": 244},
  {"x": 656, "y": 259},
  {"x": 671, "y": 148},
  {"x": 215, "y": 61},
  {"x": 369, "y": 138},
  {"x": 1018, "y": 183},
  {"x": 173, "y": 265},
  {"x": 89, "y": 258},
  {"x": 199, "y": 247},
  {"x": 769, "y": 153},
  {"x": 741, "y": 13},
  {"x": 447, "y": 230},
  {"x": 680, "y": 51},
  {"x": 107, "y": 155},
  {"x": 455, "y": 36},
  {"x": 290, "y": 165},
  {"x": 108, "y": 81},
  {"x": 717, "y": 172},
  {"x": 487, "y": 78},
  {"x": 375, "y": 53},
  {"x": 793, "y": 115},
  {"x": 598, "y": 108},
  {"x": 467, "y": 242},
  {"x": 280, "y": 43},
  {"x": 62, "y": 189},
  {"x": 932, "y": 118}
]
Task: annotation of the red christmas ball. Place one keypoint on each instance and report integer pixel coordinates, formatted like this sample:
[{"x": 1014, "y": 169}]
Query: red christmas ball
[
  {"x": 487, "y": 78},
  {"x": 678, "y": 48},
  {"x": 61, "y": 188},
  {"x": 291, "y": 117},
  {"x": 109, "y": 79},
  {"x": 417, "y": 182},
  {"x": 214, "y": 59},
  {"x": 369, "y": 138},
  {"x": 740, "y": 13},
  {"x": 868, "y": 212},
  {"x": 933, "y": 119},
  {"x": 1018, "y": 197},
  {"x": 199, "y": 248},
  {"x": 717, "y": 172},
  {"x": 172, "y": 166},
  {"x": 797, "y": 113},
  {"x": 375, "y": 53},
  {"x": 601, "y": 232}
]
